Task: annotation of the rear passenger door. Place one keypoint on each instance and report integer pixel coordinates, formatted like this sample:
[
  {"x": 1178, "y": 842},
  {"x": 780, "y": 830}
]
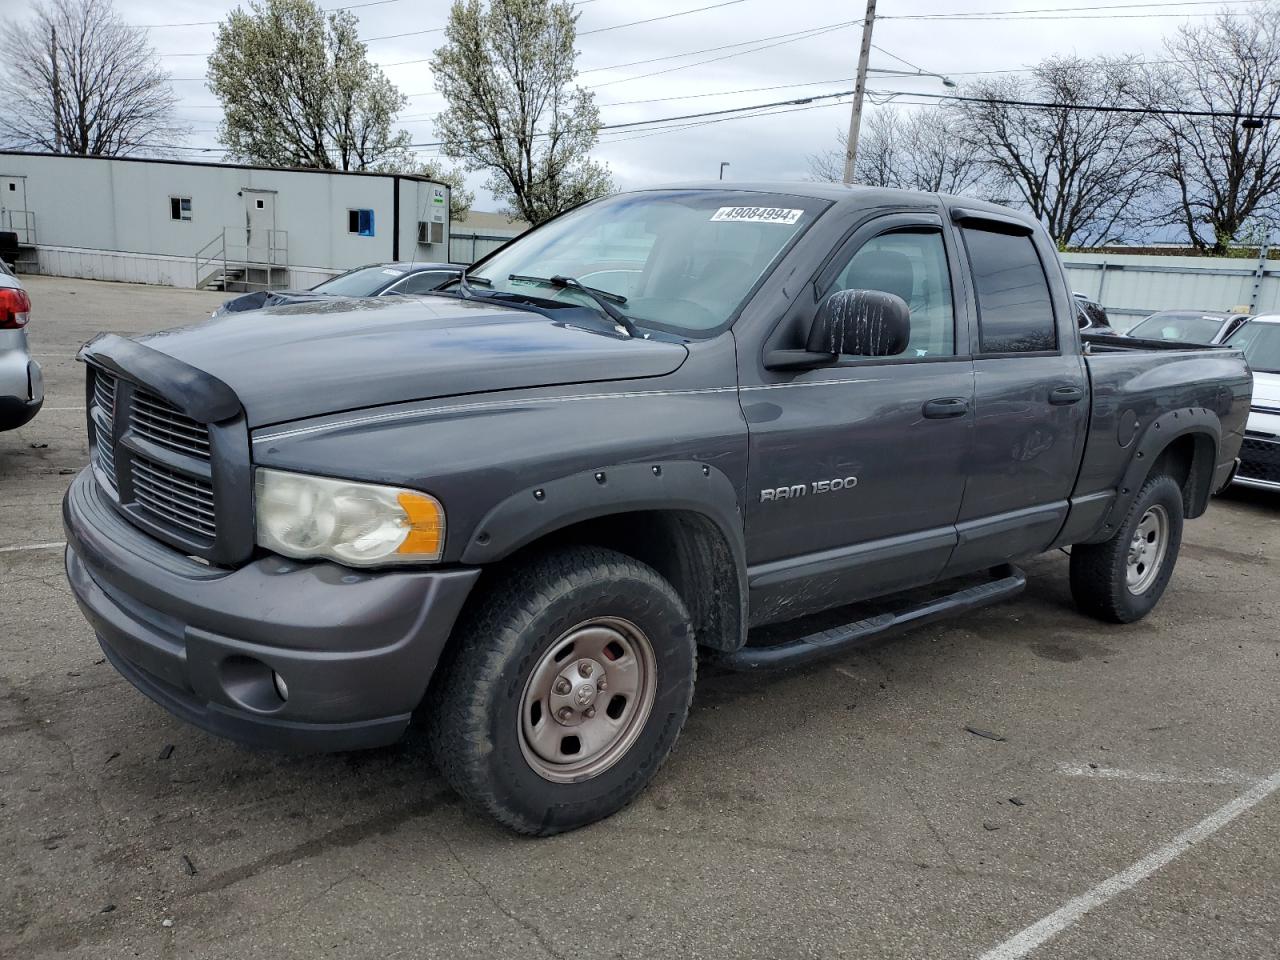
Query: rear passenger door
[{"x": 1031, "y": 396}]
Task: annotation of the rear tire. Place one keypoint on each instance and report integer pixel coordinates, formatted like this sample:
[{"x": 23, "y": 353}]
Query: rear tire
[
  {"x": 522, "y": 726},
  {"x": 1122, "y": 579}
]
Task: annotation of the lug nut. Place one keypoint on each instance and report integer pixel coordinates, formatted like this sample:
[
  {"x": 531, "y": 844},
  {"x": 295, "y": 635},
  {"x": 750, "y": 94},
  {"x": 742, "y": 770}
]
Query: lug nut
[
  {"x": 589, "y": 712},
  {"x": 565, "y": 714},
  {"x": 562, "y": 686},
  {"x": 584, "y": 668},
  {"x": 602, "y": 684}
]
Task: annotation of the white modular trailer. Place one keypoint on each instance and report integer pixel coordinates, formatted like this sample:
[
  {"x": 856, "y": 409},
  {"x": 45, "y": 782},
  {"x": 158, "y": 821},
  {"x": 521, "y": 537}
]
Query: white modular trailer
[{"x": 200, "y": 224}]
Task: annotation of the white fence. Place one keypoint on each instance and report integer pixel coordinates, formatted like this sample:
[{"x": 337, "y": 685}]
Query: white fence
[{"x": 1133, "y": 286}]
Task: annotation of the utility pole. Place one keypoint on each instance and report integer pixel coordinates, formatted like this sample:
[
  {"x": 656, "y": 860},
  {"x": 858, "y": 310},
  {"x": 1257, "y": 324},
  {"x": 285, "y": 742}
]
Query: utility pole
[
  {"x": 57, "y": 91},
  {"x": 859, "y": 91}
]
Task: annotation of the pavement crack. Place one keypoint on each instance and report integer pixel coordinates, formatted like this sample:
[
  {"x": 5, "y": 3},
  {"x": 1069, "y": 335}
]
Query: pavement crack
[
  {"x": 933, "y": 831},
  {"x": 526, "y": 925}
]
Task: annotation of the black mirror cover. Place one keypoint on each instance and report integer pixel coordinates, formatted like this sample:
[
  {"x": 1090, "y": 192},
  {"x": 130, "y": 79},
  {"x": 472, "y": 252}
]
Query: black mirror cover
[{"x": 861, "y": 323}]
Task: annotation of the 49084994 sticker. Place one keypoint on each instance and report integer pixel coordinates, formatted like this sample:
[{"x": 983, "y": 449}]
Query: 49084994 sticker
[{"x": 756, "y": 215}]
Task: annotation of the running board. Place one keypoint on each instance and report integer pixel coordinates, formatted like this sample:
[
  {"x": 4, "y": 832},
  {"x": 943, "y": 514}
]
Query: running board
[{"x": 827, "y": 643}]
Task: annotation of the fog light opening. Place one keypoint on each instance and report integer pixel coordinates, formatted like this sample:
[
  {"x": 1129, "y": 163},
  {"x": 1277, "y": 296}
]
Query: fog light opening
[{"x": 282, "y": 688}]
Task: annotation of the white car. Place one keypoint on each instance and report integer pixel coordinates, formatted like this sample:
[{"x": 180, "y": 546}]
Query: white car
[
  {"x": 1259, "y": 338},
  {"x": 21, "y": 383}
]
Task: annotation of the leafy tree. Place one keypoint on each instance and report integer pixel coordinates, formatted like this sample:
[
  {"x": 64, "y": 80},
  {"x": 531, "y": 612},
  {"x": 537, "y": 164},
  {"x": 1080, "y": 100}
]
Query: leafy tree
[
  {"x": 1221, "y": 173},
  {"x": 77, "y": 79},
  {"x": 508, "y": 72},
  {"x": 298, "y": 90},
  {"x": 912, "y": 151},
  {"x": 1083, "y": 173}
]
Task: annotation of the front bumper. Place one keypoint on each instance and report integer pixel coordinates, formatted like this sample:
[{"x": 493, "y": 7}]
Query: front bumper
[{"x": 355, "y": 648}]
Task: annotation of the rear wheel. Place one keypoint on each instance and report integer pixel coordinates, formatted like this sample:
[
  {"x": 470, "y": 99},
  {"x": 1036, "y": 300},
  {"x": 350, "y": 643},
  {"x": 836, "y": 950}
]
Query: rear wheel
[
  {"x": 1123, "y": 578},
  {"x": 568, "y": 689}
]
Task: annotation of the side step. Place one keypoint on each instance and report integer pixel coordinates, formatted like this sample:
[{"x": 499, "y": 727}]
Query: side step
[{"x": 826, "y": 643}]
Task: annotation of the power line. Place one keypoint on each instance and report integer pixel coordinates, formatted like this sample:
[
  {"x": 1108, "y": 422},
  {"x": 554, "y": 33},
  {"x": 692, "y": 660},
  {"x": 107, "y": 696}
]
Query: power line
[
  {"x": 728, "y": 56},
  {"x": 668, "y": 16},
  {"x": 214, "y": 23},
  {"x": 1091, "y": 107},
  {"x": 1024, "y": 13}
]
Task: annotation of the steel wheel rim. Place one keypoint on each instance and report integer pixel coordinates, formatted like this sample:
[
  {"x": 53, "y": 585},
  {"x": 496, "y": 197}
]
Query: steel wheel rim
[
  {"x": 572, "y": 728},
  {"x": 1147, "y": 549}
]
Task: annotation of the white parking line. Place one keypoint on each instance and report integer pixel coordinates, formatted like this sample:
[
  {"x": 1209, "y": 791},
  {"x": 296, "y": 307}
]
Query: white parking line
[
  {"x": 62, "y": 408},
  {"x": 53, "y": 545},
  {"x": 1217, "y": 775},
  {"x": 1021, "y": 944}
]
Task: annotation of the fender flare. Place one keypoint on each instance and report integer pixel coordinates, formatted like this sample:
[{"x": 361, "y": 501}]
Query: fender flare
[
  {"x": 1155, "y": 439},
  {"x": 661, "y": 485}
]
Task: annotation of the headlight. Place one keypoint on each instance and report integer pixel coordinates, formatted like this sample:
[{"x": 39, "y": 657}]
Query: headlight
[{"x": 359, "y": 524}]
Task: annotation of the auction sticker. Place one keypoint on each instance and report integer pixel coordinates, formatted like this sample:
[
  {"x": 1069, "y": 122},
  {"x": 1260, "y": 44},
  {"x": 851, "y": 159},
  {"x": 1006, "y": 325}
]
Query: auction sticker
[{"x": 756, "y": 215}]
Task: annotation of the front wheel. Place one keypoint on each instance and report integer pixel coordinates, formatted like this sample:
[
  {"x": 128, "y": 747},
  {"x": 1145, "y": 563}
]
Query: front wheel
[
  {"x": 1122, "y": 579},
  {"x": 569, "y": 686}
]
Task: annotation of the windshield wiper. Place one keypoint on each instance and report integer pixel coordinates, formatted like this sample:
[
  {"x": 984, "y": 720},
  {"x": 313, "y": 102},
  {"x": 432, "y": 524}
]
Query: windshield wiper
[
  {"x": 464, "y": 284},
  {"x": 603, "y": 298}
]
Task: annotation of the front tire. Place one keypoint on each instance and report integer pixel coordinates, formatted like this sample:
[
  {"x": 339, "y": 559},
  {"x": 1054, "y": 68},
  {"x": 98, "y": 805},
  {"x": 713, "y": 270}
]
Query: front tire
[
  {"x": 1122, "y": 579},
  {"x": 568, "y": 688}
]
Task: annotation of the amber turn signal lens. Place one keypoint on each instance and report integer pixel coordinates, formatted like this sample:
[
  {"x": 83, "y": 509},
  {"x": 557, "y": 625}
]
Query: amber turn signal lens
[{"x": 426, "y": 525}]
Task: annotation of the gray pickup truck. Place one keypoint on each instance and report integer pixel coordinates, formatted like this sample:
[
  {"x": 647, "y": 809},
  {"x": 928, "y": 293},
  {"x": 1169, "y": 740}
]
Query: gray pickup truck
[{"x": 525, "y": 504}]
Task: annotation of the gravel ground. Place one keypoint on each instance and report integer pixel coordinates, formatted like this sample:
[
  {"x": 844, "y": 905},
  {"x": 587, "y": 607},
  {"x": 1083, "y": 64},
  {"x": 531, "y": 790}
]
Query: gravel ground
[{"x": 838, "y": 811}]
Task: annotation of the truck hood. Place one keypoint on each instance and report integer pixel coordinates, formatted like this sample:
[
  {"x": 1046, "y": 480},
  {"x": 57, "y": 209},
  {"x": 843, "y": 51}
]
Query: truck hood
[{"x": 307, "y": 360}]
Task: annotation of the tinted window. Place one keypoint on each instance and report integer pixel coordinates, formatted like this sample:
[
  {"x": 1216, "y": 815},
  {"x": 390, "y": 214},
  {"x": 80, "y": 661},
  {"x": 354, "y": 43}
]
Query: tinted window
[
  {"x": 1015, "y": 311},
  {"x": 911, "y": 265},
  {"x": 361, "y": 282},
  {"x": 1261, "y": 345},
  {"x": 422, "y": 282}
]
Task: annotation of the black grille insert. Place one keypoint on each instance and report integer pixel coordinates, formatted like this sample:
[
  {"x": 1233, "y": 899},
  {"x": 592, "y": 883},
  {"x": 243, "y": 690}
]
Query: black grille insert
[
  {"x": 1260, "y": 460},
  {"x": 173, "y": 498}
]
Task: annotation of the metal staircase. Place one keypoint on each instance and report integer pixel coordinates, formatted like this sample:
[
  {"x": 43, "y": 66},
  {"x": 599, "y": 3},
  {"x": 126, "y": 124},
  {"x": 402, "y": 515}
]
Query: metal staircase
[
  {"x": 21, "y": 224},
  {"x": 242, "y": 260}
]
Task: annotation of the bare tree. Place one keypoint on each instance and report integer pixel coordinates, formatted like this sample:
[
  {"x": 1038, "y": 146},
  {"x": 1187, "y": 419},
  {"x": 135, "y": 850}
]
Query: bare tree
[
  {"x": 911, "y": 151},
  {"x": 508, "y": 72},
  {"x": 1223, "y": 173},
  {"x": 297, "y": 89},
  {"x": 77, "y": 79},
  {"x": 1084, "y": 173}
]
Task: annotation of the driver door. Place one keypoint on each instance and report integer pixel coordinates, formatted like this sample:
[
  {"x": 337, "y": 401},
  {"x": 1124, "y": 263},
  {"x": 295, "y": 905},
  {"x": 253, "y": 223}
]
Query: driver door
[{"x": 857, "y": 470}]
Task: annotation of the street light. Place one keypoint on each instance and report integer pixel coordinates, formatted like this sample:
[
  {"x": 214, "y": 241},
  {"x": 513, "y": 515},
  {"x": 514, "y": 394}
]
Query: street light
[{"x": 723, "y": 164}]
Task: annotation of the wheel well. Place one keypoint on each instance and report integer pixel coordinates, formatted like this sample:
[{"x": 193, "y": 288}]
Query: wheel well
[
  {"x": 687, "y": 548},
  {"x": 1189, "y": 460}
]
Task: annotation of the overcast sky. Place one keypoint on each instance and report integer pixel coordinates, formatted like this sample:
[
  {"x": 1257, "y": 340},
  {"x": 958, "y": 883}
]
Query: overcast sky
[{"x": 760, "y": 147}]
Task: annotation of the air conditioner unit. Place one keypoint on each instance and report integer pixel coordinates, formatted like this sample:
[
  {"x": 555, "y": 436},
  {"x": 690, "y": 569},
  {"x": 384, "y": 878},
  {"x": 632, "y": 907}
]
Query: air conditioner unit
[{"x": 432, "y": 232}]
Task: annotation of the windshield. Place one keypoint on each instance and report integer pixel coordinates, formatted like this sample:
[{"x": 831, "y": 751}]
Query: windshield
[
  {"x": 1191, "y": 327},
  {"x": 1261, "y": 345},
  {"x": 680, "y": 260},
  {"x": 361, "y": 282}
]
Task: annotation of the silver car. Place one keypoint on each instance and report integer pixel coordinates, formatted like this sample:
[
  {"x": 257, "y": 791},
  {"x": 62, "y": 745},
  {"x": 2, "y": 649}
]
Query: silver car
[{"x": 21, "y": 383}]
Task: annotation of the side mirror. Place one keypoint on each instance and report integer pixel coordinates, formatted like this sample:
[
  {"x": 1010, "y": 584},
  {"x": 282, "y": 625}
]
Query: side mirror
[{"x": 862, "y": 323}]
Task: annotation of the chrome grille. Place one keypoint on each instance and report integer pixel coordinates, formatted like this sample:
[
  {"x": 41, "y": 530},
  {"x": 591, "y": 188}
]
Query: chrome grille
[
  {"x": 160, "y": 422},
  {"x": 173, "y": 498},
  {"x": 1260, "y": 460}
]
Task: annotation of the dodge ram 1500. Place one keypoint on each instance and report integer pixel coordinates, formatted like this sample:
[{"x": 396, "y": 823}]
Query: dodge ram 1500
[{"x": 664, "y": 418}]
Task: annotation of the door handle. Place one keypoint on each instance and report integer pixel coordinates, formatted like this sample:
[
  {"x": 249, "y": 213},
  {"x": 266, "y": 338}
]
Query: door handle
[
  {"x": 946, "y": 408},
  {"x": 1062, "y": 396}
]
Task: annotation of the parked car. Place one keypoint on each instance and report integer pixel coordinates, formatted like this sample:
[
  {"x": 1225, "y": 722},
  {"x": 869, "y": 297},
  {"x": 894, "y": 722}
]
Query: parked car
[
  {"x": 523, "y": 504},
  {"x": 21, "y": 383},
  {"x": 1092, "y": 316},
  {"x": 1259, "y": 339},
  {"x": 1188, "y": 326},
  {"x": 376, "y": 280}
]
